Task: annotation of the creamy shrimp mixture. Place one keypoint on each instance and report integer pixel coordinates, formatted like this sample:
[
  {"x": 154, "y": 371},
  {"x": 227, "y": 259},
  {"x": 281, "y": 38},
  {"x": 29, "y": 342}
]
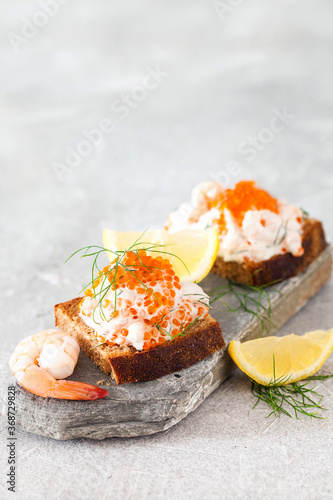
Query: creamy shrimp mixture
[
  {"x": 140, "y": 302},
  {"x": 252, "y": 225}
]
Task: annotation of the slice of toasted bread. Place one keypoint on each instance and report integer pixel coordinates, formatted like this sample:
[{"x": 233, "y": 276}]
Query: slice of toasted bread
[
  {"x": 279, "y": 267},
  {"x": 125, "y": 363}
]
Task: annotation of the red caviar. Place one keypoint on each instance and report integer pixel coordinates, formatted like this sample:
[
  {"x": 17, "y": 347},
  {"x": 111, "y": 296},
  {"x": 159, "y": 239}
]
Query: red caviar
[
  {"x": 155, "y": 285},
  {"x": 245, "y": 196}
]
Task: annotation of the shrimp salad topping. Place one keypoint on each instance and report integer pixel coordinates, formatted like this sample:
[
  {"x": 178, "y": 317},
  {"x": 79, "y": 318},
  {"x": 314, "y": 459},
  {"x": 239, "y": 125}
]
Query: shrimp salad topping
[
  {"x": 139, "y": 301},
  {"x": 252, "y": 225}
]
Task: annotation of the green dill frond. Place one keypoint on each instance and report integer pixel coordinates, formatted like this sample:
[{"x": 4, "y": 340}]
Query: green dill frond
[
  {"x": 284, "y": 228},
  {"x": 182, "y": 333},
  {"x": 97, "y": 345},
  {"x": 96, "y": 251},
  {"x": 254, "y": 300},
  {"x": 300, "y": 398},
  {"x": 305, "y": 214}
]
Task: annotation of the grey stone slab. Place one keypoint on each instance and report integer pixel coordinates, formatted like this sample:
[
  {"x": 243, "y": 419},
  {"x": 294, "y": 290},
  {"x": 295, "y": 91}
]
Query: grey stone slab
[{"x": 148, "y": 407}]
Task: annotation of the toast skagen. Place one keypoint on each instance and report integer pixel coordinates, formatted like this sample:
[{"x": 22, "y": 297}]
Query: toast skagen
[
  {"x": 279, "y": 267},
  {"x": 125, "y": 364},
  {"x": 138, "y": 321},
  {"x": 262, "y": 239}
]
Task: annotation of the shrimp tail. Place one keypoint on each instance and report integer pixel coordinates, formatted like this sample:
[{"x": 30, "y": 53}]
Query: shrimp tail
[{"x": 64, "y": 389}]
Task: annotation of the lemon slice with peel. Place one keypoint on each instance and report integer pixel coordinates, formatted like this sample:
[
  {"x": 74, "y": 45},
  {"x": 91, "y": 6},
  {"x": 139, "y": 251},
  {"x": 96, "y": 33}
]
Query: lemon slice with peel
[
  {"x": 192, "y": 252},
  {"x": 296, "y": 357}
]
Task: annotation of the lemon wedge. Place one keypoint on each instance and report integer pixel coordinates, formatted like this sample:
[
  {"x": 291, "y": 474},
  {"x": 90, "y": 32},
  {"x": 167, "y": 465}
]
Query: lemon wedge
[
  {"x": 192, "y": 252},
  {"x": 296, "y": 357}
]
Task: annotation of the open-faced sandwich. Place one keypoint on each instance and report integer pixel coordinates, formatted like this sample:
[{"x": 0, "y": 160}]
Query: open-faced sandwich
[
  {"x": 262, "y": 239},
  {"x": 138, "y": 322}
]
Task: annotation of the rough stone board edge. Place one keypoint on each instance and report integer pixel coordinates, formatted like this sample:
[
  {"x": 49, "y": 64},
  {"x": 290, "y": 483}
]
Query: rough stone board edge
[{"x": 214, "y": 370}]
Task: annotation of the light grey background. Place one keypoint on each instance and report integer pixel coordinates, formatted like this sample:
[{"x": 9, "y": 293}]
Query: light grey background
[{"x": 227, "y": 73}]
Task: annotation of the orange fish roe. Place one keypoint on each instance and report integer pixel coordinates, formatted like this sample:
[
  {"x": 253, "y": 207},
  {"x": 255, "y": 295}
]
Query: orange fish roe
[
  {"x": 149, "y": 304},
  {"x": 245, "y": 196}
]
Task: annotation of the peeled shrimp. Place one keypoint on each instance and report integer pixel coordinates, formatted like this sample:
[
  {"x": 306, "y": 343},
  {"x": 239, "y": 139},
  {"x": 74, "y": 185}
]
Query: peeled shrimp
[
  {"x": 39, "y": 360},
  {"x": 204, "y": 193}
]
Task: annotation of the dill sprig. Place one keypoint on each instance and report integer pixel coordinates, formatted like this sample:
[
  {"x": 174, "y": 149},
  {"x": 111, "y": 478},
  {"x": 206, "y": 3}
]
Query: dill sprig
[
  {"x": 305, "y": 214},
  {"x": 254, "y": 300},
  {"x": 201, "y": 300},
  {"x": 185, "y": 328},
  {"x": 96, "y": 251},
  {"x": 299, "y": 398},
  {"x": 97, "y": 345},
  {"x": 283, "y": 227},
  {"x": 182, "y": 333},
  {"x": 106, "y": 285}
]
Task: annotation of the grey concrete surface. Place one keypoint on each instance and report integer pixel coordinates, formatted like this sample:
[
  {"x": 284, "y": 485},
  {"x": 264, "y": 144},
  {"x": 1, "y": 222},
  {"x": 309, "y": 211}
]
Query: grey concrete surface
[{"x": 219, "y": 80}]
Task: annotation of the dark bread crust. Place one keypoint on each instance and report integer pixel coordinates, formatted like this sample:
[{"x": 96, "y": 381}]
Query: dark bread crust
[
  {"x": 126, "y": 364},
  {"x": 279, "y": 267}
]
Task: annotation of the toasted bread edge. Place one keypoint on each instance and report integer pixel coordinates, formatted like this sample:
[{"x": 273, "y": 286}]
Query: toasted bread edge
[
  {"x": 279, "y": 267},
  {"x": 126, "y": 364}
]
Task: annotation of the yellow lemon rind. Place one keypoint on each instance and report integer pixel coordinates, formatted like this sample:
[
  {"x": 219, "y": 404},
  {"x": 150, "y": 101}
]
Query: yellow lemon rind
[{"x": 250, "y": 370}]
